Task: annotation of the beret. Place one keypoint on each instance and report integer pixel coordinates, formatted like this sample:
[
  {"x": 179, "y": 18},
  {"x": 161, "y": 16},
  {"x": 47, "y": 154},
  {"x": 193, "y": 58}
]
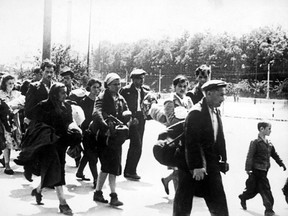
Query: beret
[
  {"x": 66, "y": 71},
  {"x": 137, "y": 72},
  {"x": 213, "y": 84}
]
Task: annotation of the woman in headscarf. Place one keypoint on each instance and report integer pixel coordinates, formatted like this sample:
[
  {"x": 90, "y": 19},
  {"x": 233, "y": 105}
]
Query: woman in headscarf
[
  {"x": 109, "y": 141},
  {"x": 56, "y": 113}
]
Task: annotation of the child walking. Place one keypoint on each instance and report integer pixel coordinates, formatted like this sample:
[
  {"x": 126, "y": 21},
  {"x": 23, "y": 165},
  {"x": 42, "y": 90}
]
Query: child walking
[{"x": 257, "y": 166}]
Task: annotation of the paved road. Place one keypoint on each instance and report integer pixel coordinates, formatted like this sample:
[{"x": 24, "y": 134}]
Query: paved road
[{"x": 147, "y": 197}]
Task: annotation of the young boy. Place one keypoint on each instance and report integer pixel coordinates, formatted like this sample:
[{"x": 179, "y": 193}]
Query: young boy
[{"x": 257, "y": 166}]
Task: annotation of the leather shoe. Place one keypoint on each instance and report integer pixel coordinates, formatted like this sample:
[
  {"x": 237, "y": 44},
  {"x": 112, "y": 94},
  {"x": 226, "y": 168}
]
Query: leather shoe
[
  {"x": 82, "y": 177},
  {"x": 65, "y": 209},
  {"x": 132, "y": 176},
  {"x": 9, "y": 171},
  {"x": 243, "y": 202},
  {"x": 269, "y": 213},
  {"x": 38, "y": 196}
]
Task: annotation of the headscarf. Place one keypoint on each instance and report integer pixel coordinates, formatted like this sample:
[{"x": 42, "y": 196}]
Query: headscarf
[{"x": 110, "y": 78}]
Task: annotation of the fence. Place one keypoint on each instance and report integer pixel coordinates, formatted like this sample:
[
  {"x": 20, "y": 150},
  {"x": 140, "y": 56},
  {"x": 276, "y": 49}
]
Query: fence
[{"x": 262, "y": 109}]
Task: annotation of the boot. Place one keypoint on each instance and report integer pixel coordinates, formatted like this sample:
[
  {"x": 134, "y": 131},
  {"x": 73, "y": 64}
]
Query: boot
[
  {"x": 98, "y": 197},
  {"x": 114, "y": 200},
  {"x": 65, "y": 209}
]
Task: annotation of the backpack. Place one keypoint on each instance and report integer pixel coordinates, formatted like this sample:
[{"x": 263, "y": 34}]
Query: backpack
[{"x": 169, "y": 149}]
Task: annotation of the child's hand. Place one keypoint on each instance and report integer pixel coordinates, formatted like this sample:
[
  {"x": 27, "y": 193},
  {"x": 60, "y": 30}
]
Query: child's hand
[{"x": 284, "y": 167}]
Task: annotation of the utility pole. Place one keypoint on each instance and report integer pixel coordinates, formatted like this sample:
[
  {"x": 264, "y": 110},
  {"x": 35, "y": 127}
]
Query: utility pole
[
  {"x": 268, "y": 80},
  {"x": 89, "y": 35},
  {"x": 46, "y": 49},
  {"x": 69, "y": 18}
]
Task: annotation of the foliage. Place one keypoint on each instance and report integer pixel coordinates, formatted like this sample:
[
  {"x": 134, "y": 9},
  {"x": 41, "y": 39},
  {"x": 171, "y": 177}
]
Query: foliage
[{"x": 232, "y": 59}]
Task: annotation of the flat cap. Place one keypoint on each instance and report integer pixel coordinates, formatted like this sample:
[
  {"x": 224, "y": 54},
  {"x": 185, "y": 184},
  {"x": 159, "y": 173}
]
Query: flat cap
[
  {"x": 213, "y": 84},
  {"x": 137, "y": 72},
  {"x": 66, "y": 71}
]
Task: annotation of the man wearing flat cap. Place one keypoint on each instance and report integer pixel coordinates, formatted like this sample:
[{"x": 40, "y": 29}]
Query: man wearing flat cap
[
  {"x": 134, "y": 94},
  {"x": 67, "y": 76},
  {"x": 202, "y": 75},
  {"x": 205, "y": 153}
]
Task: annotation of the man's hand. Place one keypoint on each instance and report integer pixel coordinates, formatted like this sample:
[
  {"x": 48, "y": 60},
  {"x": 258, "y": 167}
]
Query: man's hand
[
  {"x": 198, "y": 174},
  {"x": 284, "y": 167}
]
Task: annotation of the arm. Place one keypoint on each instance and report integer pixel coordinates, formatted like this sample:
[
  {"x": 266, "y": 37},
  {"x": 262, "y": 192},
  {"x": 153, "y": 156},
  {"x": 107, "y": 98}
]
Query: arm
[
  {"x": 276, "y": 157},
  {"x": 194, "y": 153},
  {"x": 250, "y": 156},
  {"x": 98, "y": 116},
  {"x": 30, "y": 101},
  {"x": 169, "y": 111}
]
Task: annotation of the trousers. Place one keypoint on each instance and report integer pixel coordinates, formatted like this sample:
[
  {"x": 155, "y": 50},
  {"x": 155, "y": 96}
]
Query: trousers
[
  {"x": 136, "y": 133},
  {"x": 211, "y": 190}
]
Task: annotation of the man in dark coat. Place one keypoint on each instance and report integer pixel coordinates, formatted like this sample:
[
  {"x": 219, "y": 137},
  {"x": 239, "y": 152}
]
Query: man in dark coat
[
  {"x": 202, "y": 75},
  {"x": 36, "y": 76},
  {"x": 134, "y": 94},
  {"x": 67, "y": 78},
  {"x": 205, "y": 154},
  {"x": 38, "y": 91}
]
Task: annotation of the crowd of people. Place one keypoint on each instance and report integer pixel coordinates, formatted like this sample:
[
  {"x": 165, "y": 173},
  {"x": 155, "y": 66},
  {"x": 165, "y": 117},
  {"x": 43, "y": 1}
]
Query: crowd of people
[{"x": 44, "y": 118}]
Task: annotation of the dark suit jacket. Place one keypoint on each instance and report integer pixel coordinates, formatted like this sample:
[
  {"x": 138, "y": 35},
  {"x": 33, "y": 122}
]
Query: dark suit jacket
[
  {"x": 200, "y": 148},
  {"x": 36, "y": 93},
  {"x": 195, "y": 94},
  {"x": 130, "y": 94}
]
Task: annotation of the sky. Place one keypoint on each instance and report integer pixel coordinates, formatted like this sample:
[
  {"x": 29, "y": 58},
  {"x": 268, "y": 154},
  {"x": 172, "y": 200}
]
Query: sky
[{"x": 21, "y": 21}]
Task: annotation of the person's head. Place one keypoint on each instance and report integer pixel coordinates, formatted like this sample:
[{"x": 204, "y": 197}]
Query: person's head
[
  {"x": 180, "y": 84},
  {"x": 84, "y": 81},
  {"x": 57, "y": 93},
  {"x": 112, "y": 82},
  {"x": 264, "y": 128},
  {"x": 48, "y": 70},
  {"x": 94, "y": 86},
  {"x": 202, "y": 74},
  {"x": 37, "y": 74},
  {"x": 214, "y": 91},
  {"x": 138, "y": 76},
  {"x": 7, "y": 83},
  {"x": 67, "y": 76}
]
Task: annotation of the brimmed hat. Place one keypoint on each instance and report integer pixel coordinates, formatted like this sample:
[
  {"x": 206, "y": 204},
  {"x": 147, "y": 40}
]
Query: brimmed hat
[
  {"x": 213, "y": 84},
  {"x": 137, "y": 72},
  {"x": 67, "y": 71}
]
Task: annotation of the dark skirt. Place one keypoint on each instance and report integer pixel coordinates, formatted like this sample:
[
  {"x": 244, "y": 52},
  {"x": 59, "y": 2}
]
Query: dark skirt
[
  {"x": 110, "y": 156},
  {"x": 49, "y": 163}
]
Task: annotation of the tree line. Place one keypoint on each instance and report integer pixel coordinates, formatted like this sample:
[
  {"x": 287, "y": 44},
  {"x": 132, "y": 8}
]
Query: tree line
[{"x": 231, "y": 58}]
